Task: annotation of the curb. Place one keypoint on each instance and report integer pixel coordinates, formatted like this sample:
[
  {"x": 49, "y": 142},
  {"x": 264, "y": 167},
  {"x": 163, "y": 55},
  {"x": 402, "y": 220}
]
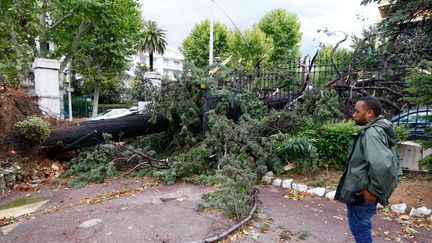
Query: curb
[{"x": 268, "y": 179}]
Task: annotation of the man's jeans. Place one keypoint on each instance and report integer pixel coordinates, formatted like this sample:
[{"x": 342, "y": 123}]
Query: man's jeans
[{"x": 359, "y": 220}]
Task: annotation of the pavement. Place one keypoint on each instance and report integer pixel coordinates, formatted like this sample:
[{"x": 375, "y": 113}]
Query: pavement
[{"x": 130, "y": 210}]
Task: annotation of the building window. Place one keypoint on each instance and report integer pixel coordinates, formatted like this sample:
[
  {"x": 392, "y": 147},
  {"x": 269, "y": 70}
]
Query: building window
[{"x": 166, "y": 63}]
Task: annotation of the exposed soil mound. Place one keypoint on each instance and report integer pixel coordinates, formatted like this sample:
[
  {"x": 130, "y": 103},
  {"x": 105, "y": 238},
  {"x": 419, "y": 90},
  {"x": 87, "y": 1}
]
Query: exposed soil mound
[{"x": 15, "y": 106}]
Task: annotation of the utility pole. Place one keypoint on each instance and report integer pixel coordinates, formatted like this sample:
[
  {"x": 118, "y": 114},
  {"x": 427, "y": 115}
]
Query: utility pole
[{"x": 211, "y": 35}]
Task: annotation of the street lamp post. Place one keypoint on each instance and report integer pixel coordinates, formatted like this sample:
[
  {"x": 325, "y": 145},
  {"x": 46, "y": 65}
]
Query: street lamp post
[
  {"x": 211, "y": 36},
  {"x": 211, "y": 29}
]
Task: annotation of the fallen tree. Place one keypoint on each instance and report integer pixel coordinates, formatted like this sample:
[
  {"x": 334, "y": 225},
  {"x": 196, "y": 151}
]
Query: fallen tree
[{"x": 90, "y": 133}]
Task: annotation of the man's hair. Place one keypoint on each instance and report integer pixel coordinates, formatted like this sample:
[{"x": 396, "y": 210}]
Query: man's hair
[{"x": 372, "y": 103}]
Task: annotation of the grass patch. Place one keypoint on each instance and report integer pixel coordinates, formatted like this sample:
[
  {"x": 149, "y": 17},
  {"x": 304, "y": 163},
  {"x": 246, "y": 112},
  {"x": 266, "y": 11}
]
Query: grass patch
[{"x": 21, "y": 201}]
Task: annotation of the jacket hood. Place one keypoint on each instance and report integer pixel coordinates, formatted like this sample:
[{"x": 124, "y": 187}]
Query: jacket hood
[{"x": 387, "y": 127}]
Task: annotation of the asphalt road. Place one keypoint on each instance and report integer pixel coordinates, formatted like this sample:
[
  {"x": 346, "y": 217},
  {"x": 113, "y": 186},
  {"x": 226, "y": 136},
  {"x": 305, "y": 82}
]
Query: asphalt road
[{"x": 139, "y": 211}]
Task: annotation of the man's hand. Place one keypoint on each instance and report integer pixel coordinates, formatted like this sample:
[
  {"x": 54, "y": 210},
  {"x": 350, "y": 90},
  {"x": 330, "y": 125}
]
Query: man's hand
[{"x": 369, "y": 197}]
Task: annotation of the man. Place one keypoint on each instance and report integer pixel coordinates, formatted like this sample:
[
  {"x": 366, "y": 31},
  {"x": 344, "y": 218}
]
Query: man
[{"x": 372, "y": 171}]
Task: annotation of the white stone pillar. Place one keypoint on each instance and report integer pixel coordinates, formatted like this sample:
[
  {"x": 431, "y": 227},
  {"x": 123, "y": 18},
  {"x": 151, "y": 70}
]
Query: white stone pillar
[{"x": 47, "y": 85}]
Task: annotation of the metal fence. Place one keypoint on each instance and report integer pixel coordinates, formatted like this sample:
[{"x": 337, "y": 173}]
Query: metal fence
[{"x": 372, "y": 72}]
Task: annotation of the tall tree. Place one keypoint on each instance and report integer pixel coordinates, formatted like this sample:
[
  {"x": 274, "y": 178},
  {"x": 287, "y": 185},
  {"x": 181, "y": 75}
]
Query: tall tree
[
  {"x": 103, "y": 56},
  {"x": 153, "y": 40},
  {"x": 28, "y": 27},
  {"x": 284, "y": 29},
  {"x": 256, "y": 48},
  {"x": 195, "y": 47}
]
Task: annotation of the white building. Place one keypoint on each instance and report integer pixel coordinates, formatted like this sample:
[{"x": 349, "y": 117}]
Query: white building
[{"x": 166, "y": 64}]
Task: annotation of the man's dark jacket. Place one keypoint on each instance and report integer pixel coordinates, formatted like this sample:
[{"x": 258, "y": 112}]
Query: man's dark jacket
[{"x": 373, "y": 164}]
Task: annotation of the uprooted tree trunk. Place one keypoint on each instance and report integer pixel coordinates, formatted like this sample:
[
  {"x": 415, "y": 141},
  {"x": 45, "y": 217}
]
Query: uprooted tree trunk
[{"x": 90, "y": 133}]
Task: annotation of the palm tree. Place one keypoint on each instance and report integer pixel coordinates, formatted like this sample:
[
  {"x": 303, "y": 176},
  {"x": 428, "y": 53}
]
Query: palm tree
[{"x": 154, "y": 40}]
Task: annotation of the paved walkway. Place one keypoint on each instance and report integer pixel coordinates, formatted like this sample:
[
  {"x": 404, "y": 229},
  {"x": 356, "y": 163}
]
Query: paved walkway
[{"x": 139, "y": 211}]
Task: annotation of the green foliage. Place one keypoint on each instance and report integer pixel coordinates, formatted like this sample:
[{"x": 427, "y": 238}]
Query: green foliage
[
  {"x": 142, "y": 89},
  {"x": 276, "y": 36},
  {"x": 194, "y": 162},
  {"x": 323, "y": 74},
  {"x": 258, "y": 45},
  {"x": 238, "y": 179},
  {"x": 419, "y": 86},
  {"x": 34, "y": 129},
  {"x": 284, "y": 28},
  {"x": 92, "y": 166},
  {"x": 426, "y": 163},
  {"x": 235, "y": 153},
  {"x": 332, "y": 142},
  {"x": 156, "y": 145},
  {"x": 402, "y": 132},
  {"x": 68, "y": 25},
  {"x": 298, "y": 149},
  {"x": 153, "y": 39},
  {"x": 275, "y": 122},
  {"x": 195, "y": 47},
  {"x": 322, "y": 106},
  {"x": 18, "y": 19},
  {"x": 419, "y": 83},
  {"x": 229, "y": 156},
  {"x": 367, "y": 43},
  {"x": 405, "y": 17},
  {"x": 102, "y": 63},
  {"x": 182, "y": 104}
]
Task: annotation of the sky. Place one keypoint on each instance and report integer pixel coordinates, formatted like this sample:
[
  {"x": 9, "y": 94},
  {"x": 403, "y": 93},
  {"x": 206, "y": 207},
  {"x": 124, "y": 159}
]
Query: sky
[{"x": 178, "y": 17}]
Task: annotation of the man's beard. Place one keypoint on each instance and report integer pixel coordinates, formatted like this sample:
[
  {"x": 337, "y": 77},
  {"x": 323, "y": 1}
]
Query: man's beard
[{"x": 360, "y": 122}]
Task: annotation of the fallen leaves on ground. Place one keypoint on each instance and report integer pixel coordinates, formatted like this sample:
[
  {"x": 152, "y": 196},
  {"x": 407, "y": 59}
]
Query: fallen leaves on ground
[
  {"x": 25, "y": 186},
  {"x": 7, "y": 221},
  {"x": 295, "y": 195},
  {"x": 411, "y": 231},
  {"x": 341, "y": 218},
  {"x": 100, "y": 198}
]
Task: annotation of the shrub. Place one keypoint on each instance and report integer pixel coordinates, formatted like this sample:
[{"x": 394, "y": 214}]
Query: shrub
[
  {"x": 332, "y": 142},
  {"x": 426, "y": 163},
  {"x": 299, "y": 150},
  {"x": 402, "y": 132},
  {"x": 34, "y": 129}
]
